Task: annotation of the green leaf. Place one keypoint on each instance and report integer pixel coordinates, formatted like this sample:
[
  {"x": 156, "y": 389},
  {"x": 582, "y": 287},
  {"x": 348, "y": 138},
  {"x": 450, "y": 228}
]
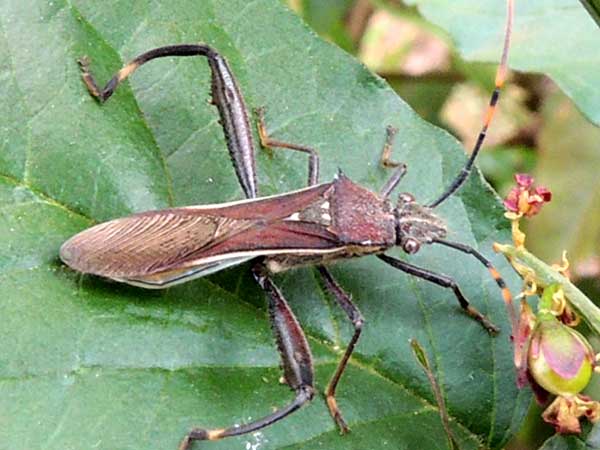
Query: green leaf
[
  {"x": 559, "y": 442},
  {"x": 555, "y": 37},
  {"x": 593, "y": 8},
  {"x": 86, "y": 363},
  {"x": 327, "y": 19}
]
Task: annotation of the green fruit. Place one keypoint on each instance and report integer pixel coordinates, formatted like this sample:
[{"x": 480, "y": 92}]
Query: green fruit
[{"x": 559, "y": 358}]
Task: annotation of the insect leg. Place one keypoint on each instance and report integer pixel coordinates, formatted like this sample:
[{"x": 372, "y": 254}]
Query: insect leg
[
  {"x": 386, "y": 161},
  {"x": 226, "y": 95},
  {"x": 506, "y": 295},
  {"x": 443, "y": 281},
  {"x": 500, "y": 78},
  {"x": 268, "y": 142},
  {"x": 296, "y": 358},
  {"x": 386, "y": 152},
  {"x": 357, "y": 319},
  {"x": 393, "y": 181}
]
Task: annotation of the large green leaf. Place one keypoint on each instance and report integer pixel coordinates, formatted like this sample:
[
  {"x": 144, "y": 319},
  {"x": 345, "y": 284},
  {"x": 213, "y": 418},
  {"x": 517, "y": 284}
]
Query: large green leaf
[
  {"x": 555, "y": 37},
  {"x": 85, "y": 363},
  {"x": 593, "y": 8}
]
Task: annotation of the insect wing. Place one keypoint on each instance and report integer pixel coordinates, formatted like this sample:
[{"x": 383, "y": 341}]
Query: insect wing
[
  {"x": 158, "y": 245},
  {"x": 157, "y": 249}
]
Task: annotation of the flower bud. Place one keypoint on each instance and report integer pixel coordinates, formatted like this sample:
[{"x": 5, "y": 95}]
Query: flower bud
[
  {"x": 526, "y": 199},
  {"x": 559, "y": 358}
]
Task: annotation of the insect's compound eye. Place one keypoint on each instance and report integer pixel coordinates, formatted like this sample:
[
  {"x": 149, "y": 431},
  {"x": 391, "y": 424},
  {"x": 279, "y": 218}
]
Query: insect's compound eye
[
  {"x": 405, "y": 197},
  {"x": 411, "y": 246}
]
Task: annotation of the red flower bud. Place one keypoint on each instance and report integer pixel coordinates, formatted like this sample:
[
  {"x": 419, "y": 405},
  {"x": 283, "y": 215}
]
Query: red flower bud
[{"x": 524, "y": 198}]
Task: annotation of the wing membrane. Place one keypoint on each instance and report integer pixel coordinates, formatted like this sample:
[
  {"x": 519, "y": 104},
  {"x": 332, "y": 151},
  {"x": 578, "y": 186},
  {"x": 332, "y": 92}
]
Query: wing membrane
[{"x": 146, "y": 243}]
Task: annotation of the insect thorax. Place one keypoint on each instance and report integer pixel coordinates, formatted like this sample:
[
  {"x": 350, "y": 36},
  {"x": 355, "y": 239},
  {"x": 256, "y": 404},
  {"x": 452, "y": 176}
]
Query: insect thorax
[{"x": 418, "y": 223}]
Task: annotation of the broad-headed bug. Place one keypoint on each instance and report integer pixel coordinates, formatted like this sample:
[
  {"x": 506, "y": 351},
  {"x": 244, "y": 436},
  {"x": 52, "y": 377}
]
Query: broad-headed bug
[{"x": 316, "y": 225}]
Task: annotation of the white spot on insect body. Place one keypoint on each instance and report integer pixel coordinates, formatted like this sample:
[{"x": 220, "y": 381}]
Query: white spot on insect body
[{"x": 315, "y": 213}]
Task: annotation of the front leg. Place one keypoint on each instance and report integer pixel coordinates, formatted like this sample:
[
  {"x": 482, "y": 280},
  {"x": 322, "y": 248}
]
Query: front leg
[
  {"x": 386, "y": 161},
  {"x": 267, "y": 142},
  {"x": 445, "y": 282}
]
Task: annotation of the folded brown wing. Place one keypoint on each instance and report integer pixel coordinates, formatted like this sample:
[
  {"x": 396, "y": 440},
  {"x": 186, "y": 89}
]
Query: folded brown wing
[
  {"x": 146, "y": 243},
  {"x": 161, "y": 248}
]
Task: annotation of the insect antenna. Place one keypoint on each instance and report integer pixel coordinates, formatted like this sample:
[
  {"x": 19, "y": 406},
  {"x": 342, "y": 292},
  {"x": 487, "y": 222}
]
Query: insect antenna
[
  {"x": 506, "y": 295},
  {"x": 500, "y": 78}
]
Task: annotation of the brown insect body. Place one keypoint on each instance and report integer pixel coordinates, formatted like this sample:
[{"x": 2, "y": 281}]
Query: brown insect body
[
  {"x": 312, "y": 226},
  {"x": 158, "y": 249}
]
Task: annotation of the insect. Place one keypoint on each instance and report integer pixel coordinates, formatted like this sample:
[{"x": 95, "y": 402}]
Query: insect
[{"x": 316, "y": 225}]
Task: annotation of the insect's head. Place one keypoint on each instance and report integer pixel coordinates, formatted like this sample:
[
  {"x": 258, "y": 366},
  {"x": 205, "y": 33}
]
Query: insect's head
[{"x": 416, "y": 224}]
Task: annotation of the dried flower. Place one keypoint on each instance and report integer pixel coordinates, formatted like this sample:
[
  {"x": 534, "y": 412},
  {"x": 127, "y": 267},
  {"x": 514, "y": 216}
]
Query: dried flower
[
  {"x": 564, "y": 412},
  {"x": 525, "y": 199},
  {"x": 549, "y": 354},
  {"x": 521, "y": 340}
]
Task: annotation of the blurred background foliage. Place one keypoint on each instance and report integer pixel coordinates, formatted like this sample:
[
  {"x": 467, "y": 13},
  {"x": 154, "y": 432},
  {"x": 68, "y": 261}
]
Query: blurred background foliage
[{"x": 537, "y": 130}]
